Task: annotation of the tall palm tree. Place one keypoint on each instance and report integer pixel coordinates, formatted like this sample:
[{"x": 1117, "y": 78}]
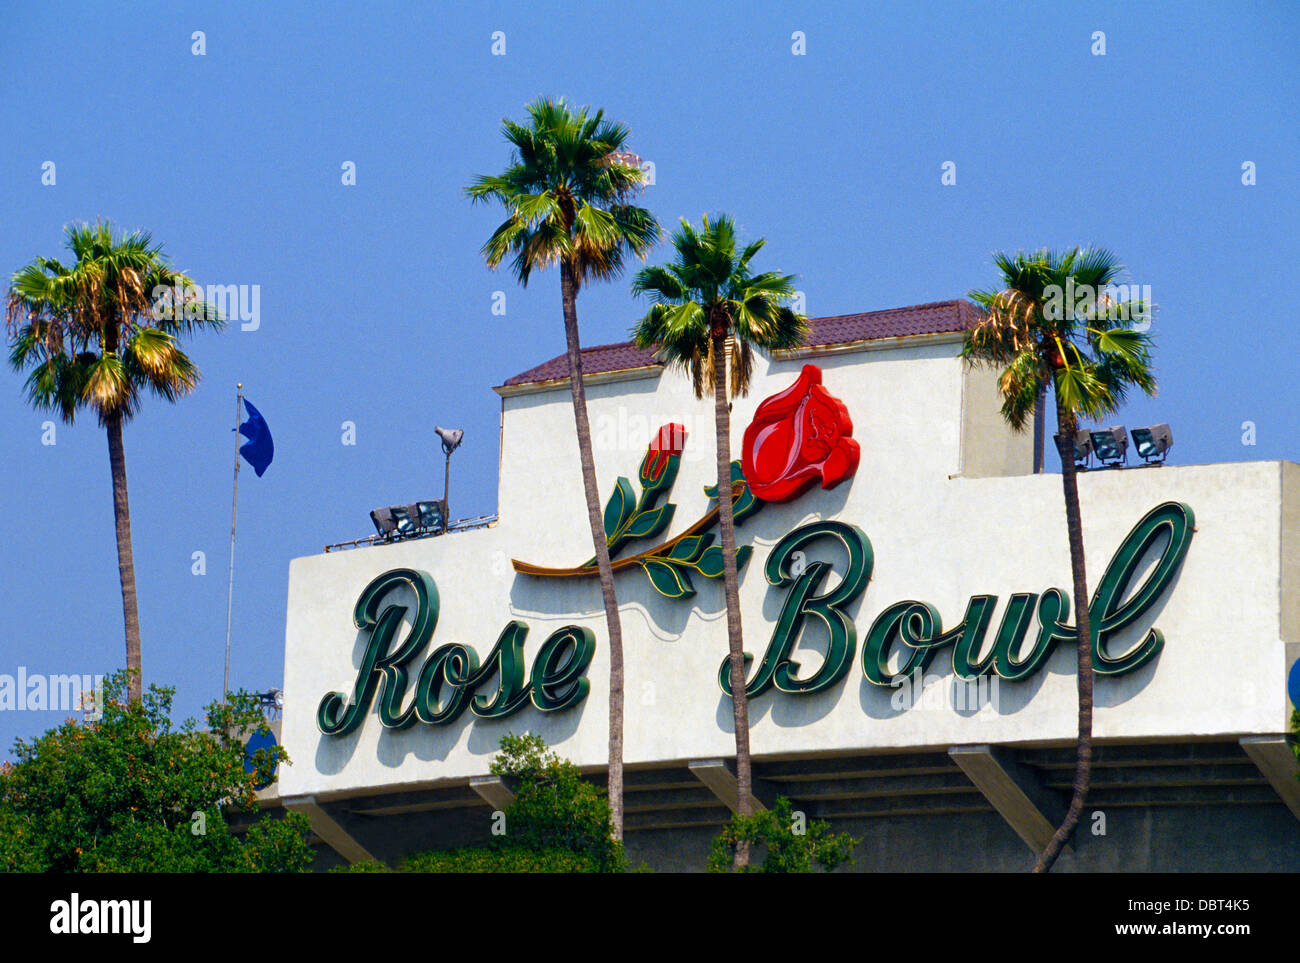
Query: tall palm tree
[
  {"x": 709, "y": 314},
  {"x": 566, "y": 195},
  {"x": 92, "y": 335},
  {"x": 1043, "y": 332}
]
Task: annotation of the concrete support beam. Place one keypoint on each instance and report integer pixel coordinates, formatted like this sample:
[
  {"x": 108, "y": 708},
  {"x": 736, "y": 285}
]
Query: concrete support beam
[
  {"x": 324, "y": 826},
  {"x": 1273, "y": 756},
  {"x": 720, "y": 776},
  {"x": 1012, "y": 790},
  {"x": 493, "y": 791}
]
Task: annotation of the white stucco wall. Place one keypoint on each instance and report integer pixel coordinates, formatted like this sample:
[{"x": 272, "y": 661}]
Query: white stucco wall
[{"x": 936, "y": 538}]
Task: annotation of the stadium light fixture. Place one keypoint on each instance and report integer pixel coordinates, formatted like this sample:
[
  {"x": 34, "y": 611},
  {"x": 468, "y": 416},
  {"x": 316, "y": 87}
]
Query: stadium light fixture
[
  {"x": 384, "y": 524},
  {"x": 1082, "y": 448},
  {"x": 1153, "y": 443},
  {"x": 451, "y": 439},
  {"x": 1110, "y": 445},
  {"x": 402, "y": 518},
  {"x": 431, "y": 515}
]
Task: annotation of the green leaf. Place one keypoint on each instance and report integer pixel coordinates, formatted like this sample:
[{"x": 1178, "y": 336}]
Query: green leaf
[
  {"x": 650, "y": 523},
  {"x": 1121, "y": 341},
  {"x": 737, "y": 474},
  {"x": 690, "y": 548},
  {"x": 744, "y": 504},
  {"x": 710, "y": 563},
  {"x": 667, "y": 579},
  {"x": 651, "y": 491},
  {"x": 618, "y": 509}
]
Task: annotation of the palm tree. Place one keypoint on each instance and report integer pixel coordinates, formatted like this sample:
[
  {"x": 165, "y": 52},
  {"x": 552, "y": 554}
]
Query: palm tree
[
  {"x": 1052, "y": 324},
  {"x": 92, "y": 335},
  {"x": 709, "y": 314},
  {"x": 565, "y": 194}
]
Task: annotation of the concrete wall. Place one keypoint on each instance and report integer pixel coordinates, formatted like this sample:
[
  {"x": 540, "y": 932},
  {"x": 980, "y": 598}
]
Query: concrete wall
[
  {"x": 1186, "y": 839},
  {"x": 988, "y": 448}
]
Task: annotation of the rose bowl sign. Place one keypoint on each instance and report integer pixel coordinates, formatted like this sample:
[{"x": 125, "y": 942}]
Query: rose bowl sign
[{"x": 799, "y": 437}]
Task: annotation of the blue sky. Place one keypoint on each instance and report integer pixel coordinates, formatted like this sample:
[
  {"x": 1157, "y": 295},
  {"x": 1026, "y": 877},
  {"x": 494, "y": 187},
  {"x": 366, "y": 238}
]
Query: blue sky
[{"x": 375, "y": 305}]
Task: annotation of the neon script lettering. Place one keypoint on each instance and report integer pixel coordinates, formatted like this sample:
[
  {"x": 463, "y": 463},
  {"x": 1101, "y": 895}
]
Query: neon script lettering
[
  {"x": 915, "y": 631},
  {"x": 449, "y": 681}
]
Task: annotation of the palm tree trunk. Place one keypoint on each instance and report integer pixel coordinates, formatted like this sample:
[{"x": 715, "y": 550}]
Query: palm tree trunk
[
  {"x": 735, "y": 637},
  {"x": 1040, "y": 426},
  {"x": 568, "y": 290},
  {"x": 1066, "y": 426},
  {"x": 125, "y": 557}
]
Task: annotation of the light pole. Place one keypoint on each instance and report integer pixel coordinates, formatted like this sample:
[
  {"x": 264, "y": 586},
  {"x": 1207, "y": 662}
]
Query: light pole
[{"x": 451, "y": 438}]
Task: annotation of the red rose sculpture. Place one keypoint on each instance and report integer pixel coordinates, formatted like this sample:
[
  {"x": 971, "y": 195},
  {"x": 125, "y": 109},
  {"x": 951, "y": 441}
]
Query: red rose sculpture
[
  {"x": 799, "y": 436},
  {"x": 669, "y": 442}
]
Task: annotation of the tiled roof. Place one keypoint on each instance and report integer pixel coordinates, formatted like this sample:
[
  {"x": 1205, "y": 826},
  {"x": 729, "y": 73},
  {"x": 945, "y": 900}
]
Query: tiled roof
[
  {"x": 939, "y": 317},
  {"x": 605, "y": 357}
]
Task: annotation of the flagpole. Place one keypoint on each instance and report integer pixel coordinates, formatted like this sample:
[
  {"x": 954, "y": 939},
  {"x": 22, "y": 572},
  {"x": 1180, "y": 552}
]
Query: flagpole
[{"x": 234, "y": 504}]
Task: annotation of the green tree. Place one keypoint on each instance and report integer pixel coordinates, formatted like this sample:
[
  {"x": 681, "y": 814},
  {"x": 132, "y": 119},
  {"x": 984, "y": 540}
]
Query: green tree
[
  {"x": 789, "y": 846},
  {"x": 1294, "y": 738},
  {"x": 91, "y": 335},
  {"x": 1050, "y": 323},
  {"x": 558, "y": 822},
  {"x": 709, "y": 314},
  {"x": 131, "y": 793},
  {"x": 565, "y": 194}
]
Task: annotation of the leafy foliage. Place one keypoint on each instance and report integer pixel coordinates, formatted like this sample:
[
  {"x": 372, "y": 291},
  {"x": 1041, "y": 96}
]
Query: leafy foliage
[
  {"x": 1295, "y": 737},
  {"x": 504, "y": 859},
  {"x": 130, "y": 793},
  {"x": 566, "y": 193},
  {"x": 92, "y": 333},
  {"x": 627, "y": 517},
  {"x": 558, "y": 823},
  {"x": 787, "y": 851},
  {"x": 1087, "y": 348},
  {"x": 710, "y": 290},
  {"x": 554, "y": 807}
]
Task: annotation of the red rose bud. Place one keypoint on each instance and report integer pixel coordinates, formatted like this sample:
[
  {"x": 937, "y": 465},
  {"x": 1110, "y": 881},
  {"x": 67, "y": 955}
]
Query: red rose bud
[
  {"x": 669, "y": 442},
  {"x": 797, "y": 437}
]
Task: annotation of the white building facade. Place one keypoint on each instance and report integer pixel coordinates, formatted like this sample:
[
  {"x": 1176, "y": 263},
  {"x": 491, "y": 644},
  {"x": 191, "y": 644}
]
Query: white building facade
[{"x": 936, "y": 554}]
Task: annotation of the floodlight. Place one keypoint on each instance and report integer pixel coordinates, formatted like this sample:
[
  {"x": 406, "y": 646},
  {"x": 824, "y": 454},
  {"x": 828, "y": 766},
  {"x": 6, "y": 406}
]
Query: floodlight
[
  {"x": 431, "y": 515},
  {"x": 1110, "y": 445},
  {"x": 271, "y": 700},
  {"x": 450, "y": 441},
  {"x": 451, "y": 438},
  {"x": 1082, "y": 447},
  {"x": 402, "y": 517},
  {"x": 1153, "y": 443},
  {"x": 384, "y": 524}
]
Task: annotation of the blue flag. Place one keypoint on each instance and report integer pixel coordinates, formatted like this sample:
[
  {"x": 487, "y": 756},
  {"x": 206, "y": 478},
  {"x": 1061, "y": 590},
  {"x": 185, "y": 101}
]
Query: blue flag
[{"x": 259, "y": 449}]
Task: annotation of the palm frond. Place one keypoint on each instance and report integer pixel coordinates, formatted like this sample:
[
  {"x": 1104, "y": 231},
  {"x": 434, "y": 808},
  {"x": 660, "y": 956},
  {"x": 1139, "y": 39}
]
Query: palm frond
[
  {"x": 87, "y": 331},
  {"x": 566, "y": 194},
  {"x": 1088, "y": 351},
  {"x": 707, "y": 287}
]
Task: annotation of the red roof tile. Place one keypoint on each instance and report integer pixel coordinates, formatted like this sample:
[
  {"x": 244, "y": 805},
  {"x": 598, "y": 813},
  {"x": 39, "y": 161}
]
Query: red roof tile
[
  {"x": 605, "y": 357},
  {"x": 939, "y": 317}
]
